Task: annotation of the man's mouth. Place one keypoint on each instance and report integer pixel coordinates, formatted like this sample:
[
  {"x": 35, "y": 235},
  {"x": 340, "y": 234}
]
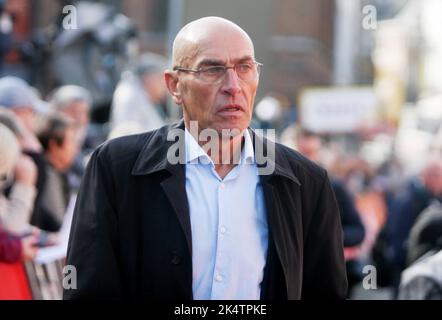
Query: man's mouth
[{"x": 232, "y": 109}]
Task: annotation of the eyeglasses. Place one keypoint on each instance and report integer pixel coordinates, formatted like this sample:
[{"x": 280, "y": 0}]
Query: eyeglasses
[{"x": 215, "y": 74}]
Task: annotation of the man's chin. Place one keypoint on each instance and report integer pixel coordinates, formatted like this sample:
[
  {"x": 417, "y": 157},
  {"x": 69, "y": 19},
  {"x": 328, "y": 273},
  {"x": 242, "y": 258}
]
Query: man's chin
[
  {"x": 238, "y": 125},
  {"x": 222, "y": 128},
  {"x": 231, "y": 130}
]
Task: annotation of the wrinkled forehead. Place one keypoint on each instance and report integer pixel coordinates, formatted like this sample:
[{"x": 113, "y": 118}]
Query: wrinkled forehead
[
  {"x": 225, "y": 48},
  {"x": 215, "y": 43}
]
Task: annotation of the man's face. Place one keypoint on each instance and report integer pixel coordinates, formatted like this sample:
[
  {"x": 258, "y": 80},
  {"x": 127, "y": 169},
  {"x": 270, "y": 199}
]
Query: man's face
[
  {"x": 78, "y": 111},
  {"x": 228, "y": 104},
  {"x": 27, "y": 117},
  {"x": 67, "y": 151}
]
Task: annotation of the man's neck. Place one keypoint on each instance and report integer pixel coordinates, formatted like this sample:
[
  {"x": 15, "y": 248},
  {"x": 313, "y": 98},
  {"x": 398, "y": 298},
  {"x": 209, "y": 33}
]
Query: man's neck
[
  {"x": 228, "y": 155},
  {"x": 225, "y": 154}
]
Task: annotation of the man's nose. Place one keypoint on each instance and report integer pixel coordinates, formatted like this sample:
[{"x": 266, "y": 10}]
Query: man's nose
[{"x": 231, "y": 82}]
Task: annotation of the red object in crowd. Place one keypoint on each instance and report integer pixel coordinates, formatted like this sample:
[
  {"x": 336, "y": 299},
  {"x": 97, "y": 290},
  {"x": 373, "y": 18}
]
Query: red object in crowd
[
  {"x": 10, "y": 248},
  {"x": 14, "y": 284}
]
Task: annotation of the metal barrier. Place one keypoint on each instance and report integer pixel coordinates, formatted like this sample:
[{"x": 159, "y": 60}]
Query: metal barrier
[{"x": 45, "y": 280}]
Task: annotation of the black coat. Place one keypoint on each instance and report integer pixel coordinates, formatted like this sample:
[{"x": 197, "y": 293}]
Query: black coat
[{"x": 131, "y": 234}]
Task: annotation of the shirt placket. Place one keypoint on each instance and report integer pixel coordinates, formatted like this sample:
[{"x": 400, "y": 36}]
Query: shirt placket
[{"x": 220, "y": 276}]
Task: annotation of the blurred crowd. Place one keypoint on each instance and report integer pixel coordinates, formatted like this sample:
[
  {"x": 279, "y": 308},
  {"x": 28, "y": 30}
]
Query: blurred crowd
[
  {"x": 390, "y": 219},
  {"x": 45, "y": 145}
]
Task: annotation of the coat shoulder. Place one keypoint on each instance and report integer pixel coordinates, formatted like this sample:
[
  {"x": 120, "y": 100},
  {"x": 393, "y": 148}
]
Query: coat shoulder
[
  {"x": 126, "y": 149},
  {"x": 122, "y": 148}
]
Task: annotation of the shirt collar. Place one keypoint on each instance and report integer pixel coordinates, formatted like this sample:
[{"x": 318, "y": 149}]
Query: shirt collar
[
  {"x": 196, "y": 154},
  {"x": 248, "y": 153}
]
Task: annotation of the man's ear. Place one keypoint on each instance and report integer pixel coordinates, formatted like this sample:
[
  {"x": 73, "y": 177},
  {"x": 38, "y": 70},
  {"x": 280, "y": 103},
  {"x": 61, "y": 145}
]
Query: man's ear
[{"x": 172, "y": 85}]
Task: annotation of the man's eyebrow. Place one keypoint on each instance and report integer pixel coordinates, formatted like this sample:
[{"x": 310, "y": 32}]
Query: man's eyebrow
[
  {"x": 210, "y": 62},
  {"x": 216, "y": 62}
]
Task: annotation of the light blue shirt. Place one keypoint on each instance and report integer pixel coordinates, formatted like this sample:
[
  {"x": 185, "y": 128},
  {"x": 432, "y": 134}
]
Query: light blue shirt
[{"x": 228, "y": 223}]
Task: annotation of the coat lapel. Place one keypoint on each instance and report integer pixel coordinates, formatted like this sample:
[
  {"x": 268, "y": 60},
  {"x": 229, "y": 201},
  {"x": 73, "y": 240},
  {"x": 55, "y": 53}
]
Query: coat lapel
[
  {"x": 153, "y": 158},
  {"x": 278, "y": 219},
  {"x": 175, "y": 189}
]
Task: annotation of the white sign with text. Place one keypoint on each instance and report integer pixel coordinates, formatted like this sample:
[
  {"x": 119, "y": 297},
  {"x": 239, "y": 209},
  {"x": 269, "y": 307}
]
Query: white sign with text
[{"x": 337, "y": 109}]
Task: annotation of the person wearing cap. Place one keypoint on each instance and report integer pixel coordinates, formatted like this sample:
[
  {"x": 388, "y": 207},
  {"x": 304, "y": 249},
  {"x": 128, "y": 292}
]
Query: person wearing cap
[
  {"x": 19, "y": 98},
  {"x": 136, "y": 105}
]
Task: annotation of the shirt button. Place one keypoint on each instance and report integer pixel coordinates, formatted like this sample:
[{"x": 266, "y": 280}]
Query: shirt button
[
  {"x": 219, "y": 277},
  {"x": 222, "y": 185},
  {"x": 223, "y": 230}
]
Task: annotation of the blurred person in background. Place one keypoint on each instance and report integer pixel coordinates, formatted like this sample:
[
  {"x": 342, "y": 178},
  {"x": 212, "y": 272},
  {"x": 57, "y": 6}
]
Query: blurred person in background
[
  {"x": 75, "y": 102},
  {"x": 23, "y": 105},
  {"x": 60, "y": 145},
  {"x": 426, "y": 233},
  {"x": 19, "y": 171},
  {"x": 422, "y": 280},
  {"x": 309, "y": 144},
  {"x": 17, "y": 96},
  {"x": 18, "y": 240},
  {"x": 138, "y": 101},
  {"x": 15, "y": 211},
  {"x": 406, "y": 207}
]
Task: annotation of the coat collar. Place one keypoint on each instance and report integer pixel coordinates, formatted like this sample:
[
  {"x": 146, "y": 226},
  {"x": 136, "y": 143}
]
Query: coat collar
[{"x": 153, "y": 156}]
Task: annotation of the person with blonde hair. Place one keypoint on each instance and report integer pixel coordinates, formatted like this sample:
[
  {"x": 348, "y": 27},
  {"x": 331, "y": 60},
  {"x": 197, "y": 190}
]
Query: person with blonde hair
[{"x": 15, "y": 210}]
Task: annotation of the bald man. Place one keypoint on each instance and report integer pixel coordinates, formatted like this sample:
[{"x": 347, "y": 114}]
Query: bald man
[{"x": 205, "y": 208}]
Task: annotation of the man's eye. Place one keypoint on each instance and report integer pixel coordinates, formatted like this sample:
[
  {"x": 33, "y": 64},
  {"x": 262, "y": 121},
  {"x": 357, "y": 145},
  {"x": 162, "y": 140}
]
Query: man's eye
[
  {"x": 214, "y": 71},
  {"x": 244, "y": 68}
]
